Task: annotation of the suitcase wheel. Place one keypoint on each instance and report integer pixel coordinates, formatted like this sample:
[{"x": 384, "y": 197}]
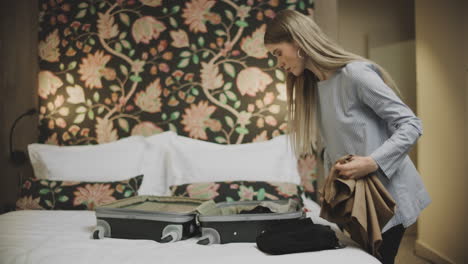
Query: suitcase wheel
[
  {"x": 209, "y": 236},
  {"x": 102, "y": 230},
  {"x": 171, "y": 233}
]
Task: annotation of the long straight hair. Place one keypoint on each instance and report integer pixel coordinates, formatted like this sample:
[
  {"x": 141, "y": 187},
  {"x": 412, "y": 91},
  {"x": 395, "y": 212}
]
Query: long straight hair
[{"x": 296, "y": 28}]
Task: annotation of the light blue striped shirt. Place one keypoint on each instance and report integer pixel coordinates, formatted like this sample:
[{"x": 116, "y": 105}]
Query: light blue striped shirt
[{"x": 357, "y": 113}]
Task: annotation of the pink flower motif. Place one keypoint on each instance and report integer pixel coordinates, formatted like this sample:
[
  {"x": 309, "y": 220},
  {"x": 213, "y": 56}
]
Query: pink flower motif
[
  {"x": 270, "y": 120},
  {"x": 252, "y": 80},
  {"x": 93, "y": 195},
  {"x": 137, "y": 66},
  {"x": 61, "y": 122},
  {"x": 149, "y": 100},
  {"x": 106, "y": 27},
  {"x": 307, "y": 168},
  {"x": 146, "y": 28},
  {"x": 152, "y": 3},
  {"x": 234, "y": 186},
  {"x": 203, "y": 190},
  {"x": 246, "y": 193},
  {"x": 262, "y": 137},
  {"x": 195, "y": 14},
  {"x": 196, "y": 119},
  {"x": 210, "y": 77},
  {"x": 48, "y": 48},
  {"x": 285, "y": 189},
  {"x": 179, "y": 38},
  {"x": 105, "y": 131},
  {"x": 269, "y": 98},
  {"x": 253, "y": 45},
  {"x": 146, "y": 129},
  {"x": 28, "y": 203},
  {"x": 92, "y": 68},
  {"x": 164, "y": 67},
  {"x": 244, "y": 118},
  {"x": 48, "y": 83},
  {"x": 243, "y": 11}
]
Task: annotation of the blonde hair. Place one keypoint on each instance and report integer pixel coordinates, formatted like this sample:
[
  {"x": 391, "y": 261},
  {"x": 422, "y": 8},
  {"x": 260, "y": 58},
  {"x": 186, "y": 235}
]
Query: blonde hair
[{"x": 294, "y": 27}]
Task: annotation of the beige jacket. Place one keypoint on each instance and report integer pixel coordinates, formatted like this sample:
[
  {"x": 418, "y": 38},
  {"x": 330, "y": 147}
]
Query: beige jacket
[{"x": 362, "y": 207}]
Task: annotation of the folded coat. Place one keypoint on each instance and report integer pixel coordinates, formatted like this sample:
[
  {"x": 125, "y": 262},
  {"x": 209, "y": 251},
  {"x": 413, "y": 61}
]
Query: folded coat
[{"x": 362, "y": 207}]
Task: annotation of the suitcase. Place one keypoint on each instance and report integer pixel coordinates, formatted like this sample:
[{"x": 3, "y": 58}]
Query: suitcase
[
  {"x": 221, "y": 229},
  {"x": 163, "y": 219}
]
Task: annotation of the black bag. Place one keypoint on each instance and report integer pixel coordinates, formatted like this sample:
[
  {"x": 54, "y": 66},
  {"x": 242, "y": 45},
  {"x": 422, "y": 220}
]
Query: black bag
[{"x": 301, "y": 235}]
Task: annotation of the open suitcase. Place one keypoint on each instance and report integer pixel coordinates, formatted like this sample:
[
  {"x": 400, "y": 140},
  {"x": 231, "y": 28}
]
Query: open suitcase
[
  {"x": 163, "y": 219},
  {"x": 226, "y": 225}
]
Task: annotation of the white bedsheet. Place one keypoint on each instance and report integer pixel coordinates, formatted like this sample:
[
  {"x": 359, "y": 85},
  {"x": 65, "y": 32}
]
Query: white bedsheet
[{"x": 64, "y": 237}]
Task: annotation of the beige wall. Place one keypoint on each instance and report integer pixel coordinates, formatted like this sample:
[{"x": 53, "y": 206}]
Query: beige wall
[
  {"x": 441, "y": 63},
  {"x": 18, "y": 71}
]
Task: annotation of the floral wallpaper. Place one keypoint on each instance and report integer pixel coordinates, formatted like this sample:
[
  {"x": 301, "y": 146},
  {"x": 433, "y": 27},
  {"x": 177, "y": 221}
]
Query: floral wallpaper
[{"x": 114, "y": 68}]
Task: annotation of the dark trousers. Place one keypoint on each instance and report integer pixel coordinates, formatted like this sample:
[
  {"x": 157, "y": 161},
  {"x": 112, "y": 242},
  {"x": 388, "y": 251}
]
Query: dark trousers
[{"x": 391, "y": 240}]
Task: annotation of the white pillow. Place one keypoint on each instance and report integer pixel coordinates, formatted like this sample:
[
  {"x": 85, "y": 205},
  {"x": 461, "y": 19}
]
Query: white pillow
[
  {"x": 192, "y": 160},
  {"x": 155, "y": 164},
  {"x": 114, "y": 161}
]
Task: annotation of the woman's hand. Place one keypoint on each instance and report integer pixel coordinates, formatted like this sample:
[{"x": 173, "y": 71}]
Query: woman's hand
[{"x": 357, "y": 168}]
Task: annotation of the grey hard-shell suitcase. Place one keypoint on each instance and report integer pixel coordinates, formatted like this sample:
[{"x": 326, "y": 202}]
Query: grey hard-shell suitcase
[
  {"x": 163, "y": 219},
  {"x": 224, "y": 224}
]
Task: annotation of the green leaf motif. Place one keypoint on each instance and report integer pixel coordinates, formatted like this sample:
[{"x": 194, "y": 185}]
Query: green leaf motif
[
  {"x": 229, "y": 14},
  {"x": 185, "y": 54},
  {"x": 229, "y": 69},
  {"x": 63, "y": 198},
  {"x": 91, "y": 41},
  {"x": 173, "y": 22},
  {"x": 118, "y": 47},
  {"x": 83, "y": 5},
  {"x": 81, "y": 109},
  {"x": 115, "y": 88},
  {"x": 261, "y": 194},
  {"x": 70, "y": 78},
  {"x": 96, "y": 97},
  {"x": 229, "y": 199},
  {"x": 131, "y": 53},
  {"x": 175, "y": 9},
  {"x": 91, "y": 114},
  {"x": 229, "y": 121},
  {"x": 183, "y": 63},
  {"x": 100, "y": 110},
  {"x": 195, "y": 59},
  {"x": 122, "y": 35},
  {"x": 220, "y": 33},
  {"x": 124, "y": 70},
  {"x": 175, "y": 115},
  {"x": 231, "y": 95},
  {"x": 279, "y": 74},
  {"x": 92, "y": 10},
  {"x": 128, "y": 193},
  {"x": 126, "y": 44},
  {"x": 237, "y": 104},
  {"x": 135, "y": 78},
  {"x": 79, "y": 118},
  {"x": 62, "y": 66},
  {"x": 172, "y": 127},
  {"x": 195, "y": 91},
  {"x": 72, "y": 65},
  {"x": 49, "y": 203},
  {"x": 82, "y": 13},
  {"x": 227, "y": 86},
  {"x": 205, "y": 54},
  {"x": 223, "y": 98},
  {"x": 123, "y": 123},
  {"x": 242, "y": 130},
  {"x": 44, "y": 191},
  {"x": 220, "y": 140},
  {"x": 271, "y": 63},
  {"x": 164, "y": 116},
  {"x": 124, "y": 18},
  {"x": 241, "y": 23},
  {"x": 201, "y": 41}
]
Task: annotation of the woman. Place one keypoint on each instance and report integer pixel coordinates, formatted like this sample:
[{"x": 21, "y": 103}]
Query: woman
[{"x": 355, "y": 106}]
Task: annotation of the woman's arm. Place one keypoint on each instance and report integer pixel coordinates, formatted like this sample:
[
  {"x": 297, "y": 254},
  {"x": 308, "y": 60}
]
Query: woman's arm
[{"x": 404, "y": 126}]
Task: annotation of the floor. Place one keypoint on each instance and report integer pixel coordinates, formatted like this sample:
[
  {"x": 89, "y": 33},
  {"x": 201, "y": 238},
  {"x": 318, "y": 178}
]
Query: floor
[{"x": 406, "y": 252}]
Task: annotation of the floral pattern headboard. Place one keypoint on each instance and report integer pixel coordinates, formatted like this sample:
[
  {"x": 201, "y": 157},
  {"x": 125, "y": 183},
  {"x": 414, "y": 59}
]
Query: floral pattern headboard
[{"x": 114, "y": 68}]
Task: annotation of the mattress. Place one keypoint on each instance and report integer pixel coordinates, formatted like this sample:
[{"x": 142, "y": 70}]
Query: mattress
[{"x": 66, "y": 237}]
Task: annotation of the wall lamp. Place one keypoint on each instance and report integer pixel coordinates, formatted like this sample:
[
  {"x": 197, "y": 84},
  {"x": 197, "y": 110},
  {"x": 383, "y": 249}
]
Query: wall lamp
[{"x": 18, "y": 157}]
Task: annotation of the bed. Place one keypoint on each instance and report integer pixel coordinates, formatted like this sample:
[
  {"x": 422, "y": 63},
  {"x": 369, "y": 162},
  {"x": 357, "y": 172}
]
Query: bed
[{"x": 65, "y": 236}]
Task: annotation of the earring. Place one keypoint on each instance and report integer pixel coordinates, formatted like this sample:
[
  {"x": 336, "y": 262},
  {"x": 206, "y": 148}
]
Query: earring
[{"x": 299, "y": 54}]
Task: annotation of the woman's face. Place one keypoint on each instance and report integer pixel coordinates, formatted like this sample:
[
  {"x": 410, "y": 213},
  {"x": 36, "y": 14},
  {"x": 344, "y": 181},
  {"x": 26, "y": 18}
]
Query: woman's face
[{"x": 287, "y": 58}]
